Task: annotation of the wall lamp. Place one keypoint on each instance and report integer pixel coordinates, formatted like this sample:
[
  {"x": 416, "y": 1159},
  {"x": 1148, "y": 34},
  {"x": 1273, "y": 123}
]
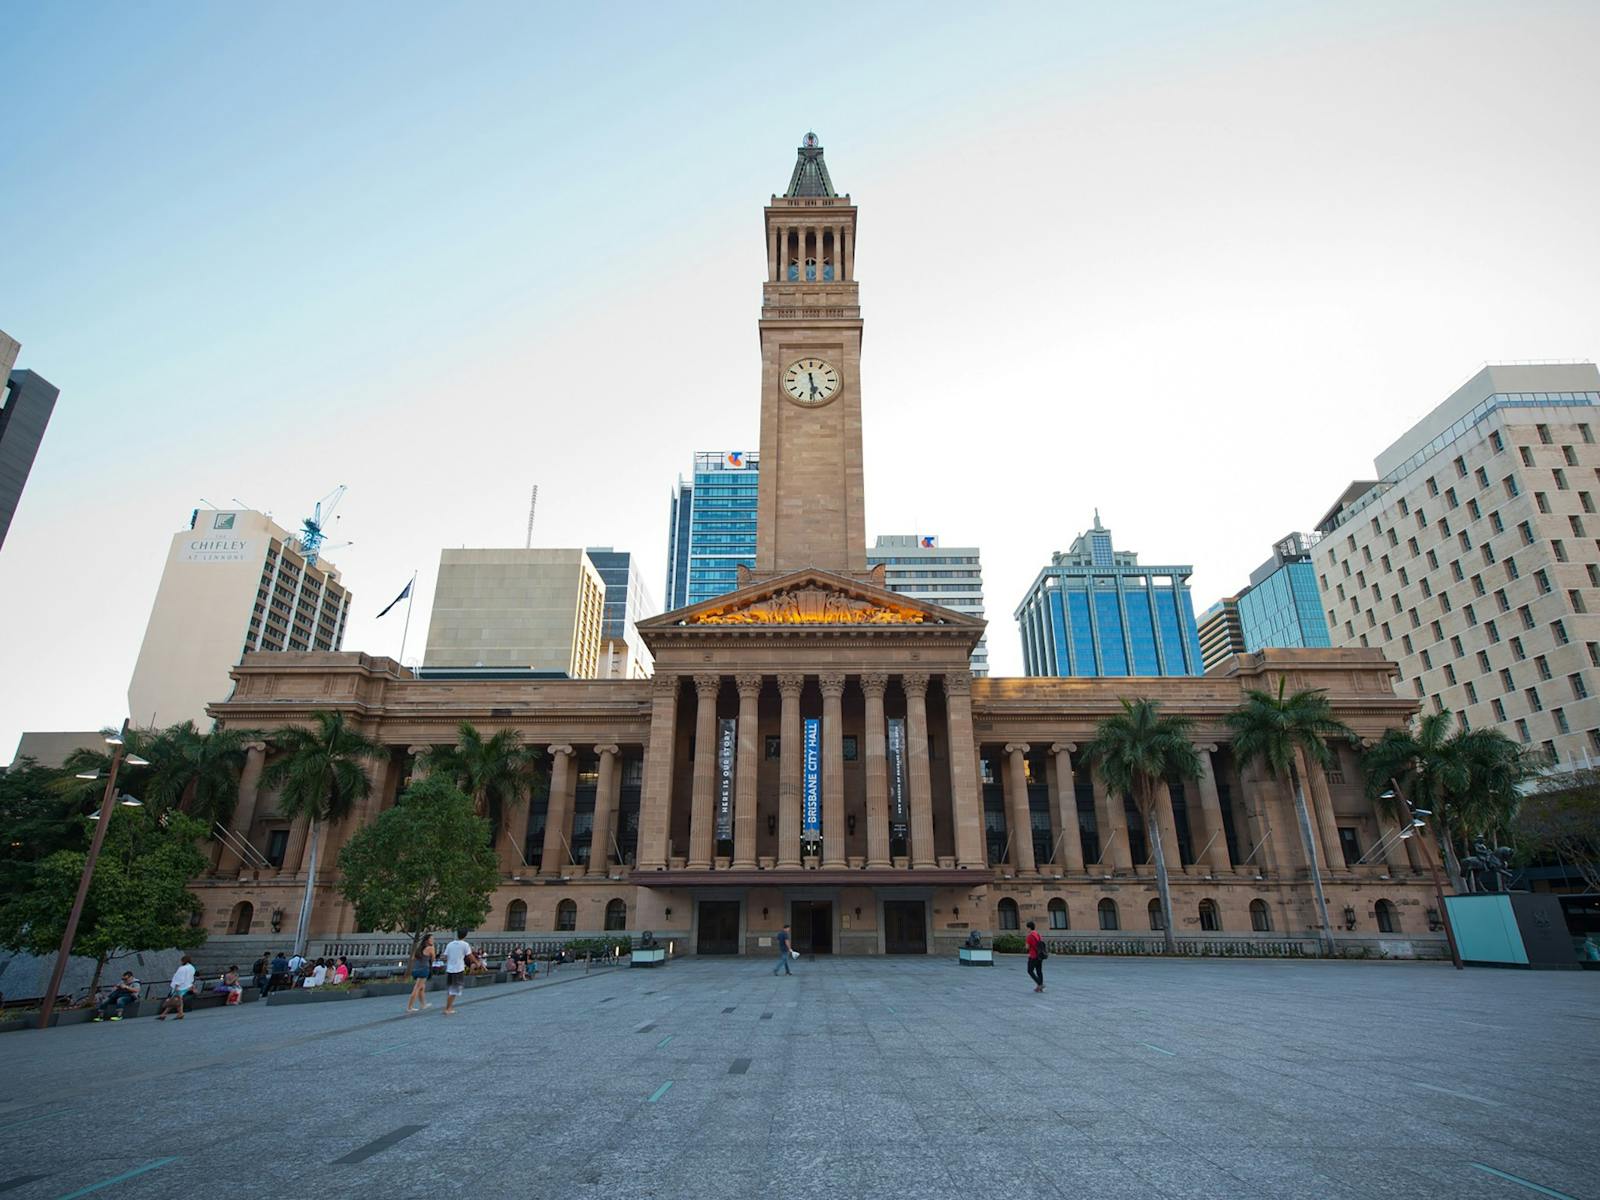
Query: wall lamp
[{"x": 1349, "y": 917}]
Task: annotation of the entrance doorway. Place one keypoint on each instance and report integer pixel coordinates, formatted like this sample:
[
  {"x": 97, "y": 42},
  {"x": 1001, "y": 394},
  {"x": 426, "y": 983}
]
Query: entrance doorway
[
  {"x": 718, "y": 929},
  {"x": 813, "y": 926},
  {"x": 905, "y": 927}
]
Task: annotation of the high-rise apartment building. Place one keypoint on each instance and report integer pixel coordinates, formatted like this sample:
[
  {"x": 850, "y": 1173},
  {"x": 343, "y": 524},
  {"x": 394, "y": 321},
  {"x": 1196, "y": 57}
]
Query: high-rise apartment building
[
  {"x": 26, "y": 402},
  {"x": 234, "y": 581},
  {"x": 1220, "y": 633},
  {"x": 712, "y": 532},
  {"x": 1472, "y": 561},
  {"x": 1095, "y": 611},
  {"x": 623, "y": 654},
  {"x": 916, "y": 565},
  {"x": 542, "y": 610}
]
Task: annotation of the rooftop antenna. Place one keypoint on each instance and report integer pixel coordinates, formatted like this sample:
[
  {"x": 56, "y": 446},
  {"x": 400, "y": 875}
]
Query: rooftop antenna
[{"x": 533, "y": 503}]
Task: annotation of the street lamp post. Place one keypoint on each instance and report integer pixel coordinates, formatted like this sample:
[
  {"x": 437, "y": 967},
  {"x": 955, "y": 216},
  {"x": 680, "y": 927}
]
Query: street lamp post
[
  {"x": 1412, "y": 815},
  {"x": 119, "y": 740}
]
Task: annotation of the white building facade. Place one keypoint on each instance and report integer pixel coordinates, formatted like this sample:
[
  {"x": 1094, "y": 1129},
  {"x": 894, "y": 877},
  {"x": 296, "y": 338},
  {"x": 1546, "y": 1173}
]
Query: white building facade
[{"x": 951, "y": 576}]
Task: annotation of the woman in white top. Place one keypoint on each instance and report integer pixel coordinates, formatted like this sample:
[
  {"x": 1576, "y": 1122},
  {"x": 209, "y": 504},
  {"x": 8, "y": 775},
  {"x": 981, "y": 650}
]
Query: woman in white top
[
  {"x": 182, "y": 985},
  {"x": 319, "y": 976}
]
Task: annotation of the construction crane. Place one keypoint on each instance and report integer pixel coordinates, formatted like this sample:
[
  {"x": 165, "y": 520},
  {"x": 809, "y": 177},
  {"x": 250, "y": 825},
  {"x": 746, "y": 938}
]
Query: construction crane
[{"x": 315, "y": 527}]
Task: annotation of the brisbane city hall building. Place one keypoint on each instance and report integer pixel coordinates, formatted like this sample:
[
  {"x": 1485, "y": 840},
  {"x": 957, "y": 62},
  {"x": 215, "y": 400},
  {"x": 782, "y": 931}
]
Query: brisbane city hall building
[{"x": 814, "y": 749}]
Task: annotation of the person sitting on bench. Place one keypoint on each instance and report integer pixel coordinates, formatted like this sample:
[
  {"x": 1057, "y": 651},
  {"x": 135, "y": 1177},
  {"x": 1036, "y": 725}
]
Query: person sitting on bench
[{"x": 124, "y": 994}]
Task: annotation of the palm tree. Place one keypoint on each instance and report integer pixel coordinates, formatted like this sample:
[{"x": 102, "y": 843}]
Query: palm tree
[
  {"x": 1134, "y": 752},
  {"x": 197, "y": 773},
  {"x": 495, "y": 771},
  {"x": 321, "y": 777},
  {"x": 1287, "y": 733},
  {"x": 1468, "y": 779}
]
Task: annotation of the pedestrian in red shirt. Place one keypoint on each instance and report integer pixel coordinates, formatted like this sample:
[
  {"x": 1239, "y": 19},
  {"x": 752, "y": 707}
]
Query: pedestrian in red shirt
[{"x": 1036, "y": 956}]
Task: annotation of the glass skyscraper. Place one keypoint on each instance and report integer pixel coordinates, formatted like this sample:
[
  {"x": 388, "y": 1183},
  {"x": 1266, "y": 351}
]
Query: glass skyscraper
[
  {"x": 712, "y": 531},
  {"x": 1095, "y": 611},
  {"x": 627, "y": 601},
  {"x": 1282, "y": 606}
]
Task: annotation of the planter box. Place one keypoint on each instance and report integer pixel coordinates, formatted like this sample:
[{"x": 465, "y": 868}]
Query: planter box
[
  {"x": 648, "y": 958},
  {"x": 976, "y": 958},
  {"x": 315, "y": 995},
  {"x": 12, "y": 1024},
  {"x": 72, "y": 1016},
  {"x": 388, "y": 989}
]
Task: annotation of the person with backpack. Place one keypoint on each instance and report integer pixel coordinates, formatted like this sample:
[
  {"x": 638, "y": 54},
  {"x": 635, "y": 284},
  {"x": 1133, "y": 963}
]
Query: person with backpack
[{"x": 1036, "y": 956}]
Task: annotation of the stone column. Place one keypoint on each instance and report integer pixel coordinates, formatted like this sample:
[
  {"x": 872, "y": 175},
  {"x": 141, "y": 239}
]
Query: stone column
[
  {"x": 701, "y": 826},
  {"x": 294, "y": 854},
  {"x": 744, "y": 783},
  {"x": 966, "y": 802},
  {"x": 1320, "y": 805},
  {"x": 873, "y": 686},
  {"x": 610, "y": 779},
  {"x": 1162, "y": 805},
  {"x": 849, "y": 252},
  {"x": 918, "y": 775},
  {"x": 1018, "y": 819},
  {"x": 1068, "y": 834},
  {"x": 655, "y": 799},
  {"x": 1264, "y": 829},
  {"x": 1215, "y": 855},
  {"x": 773, "y": 257},
  {"x": 244, "y": 812},
  {"x": 558, "y": 817},
  {"x": 417, "y": 754},
  {"x": 1113, "y": 823},
  {"x": 791, "y": 757},
  {"x": 833, "y": 836}
]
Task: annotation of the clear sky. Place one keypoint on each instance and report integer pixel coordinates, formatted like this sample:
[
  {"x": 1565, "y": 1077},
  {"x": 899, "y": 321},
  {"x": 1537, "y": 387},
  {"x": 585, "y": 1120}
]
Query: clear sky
[{"x": 1194, "y": 264}]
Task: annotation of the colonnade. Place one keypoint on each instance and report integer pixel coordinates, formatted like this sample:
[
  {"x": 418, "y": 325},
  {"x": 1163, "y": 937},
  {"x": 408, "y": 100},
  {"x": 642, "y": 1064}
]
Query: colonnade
[{"x": 831, "y": 240}]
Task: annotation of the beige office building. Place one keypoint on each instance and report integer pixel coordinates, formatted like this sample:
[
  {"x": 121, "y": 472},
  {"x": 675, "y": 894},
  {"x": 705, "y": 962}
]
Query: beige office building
[
  {"x": 234, "y": 581},
  {"x": 1221, "y": 634},
  {"x": 538, "y": 609},
  {"x": 1473, "y": 561}
]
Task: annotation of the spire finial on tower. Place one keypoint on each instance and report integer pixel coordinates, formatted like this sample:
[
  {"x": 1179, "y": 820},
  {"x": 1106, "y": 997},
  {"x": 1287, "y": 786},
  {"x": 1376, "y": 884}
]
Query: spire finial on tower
[
  {"x": 1097, "y": 524},
  {"x": 810, "y": 176}
]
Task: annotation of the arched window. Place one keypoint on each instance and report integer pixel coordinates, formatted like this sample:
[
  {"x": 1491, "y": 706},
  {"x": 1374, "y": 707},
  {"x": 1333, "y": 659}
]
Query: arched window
[
  {"x": 1388, "y": 917},
  {"x": 516, "y": 916},
  {"x": 616, "y": 915},
  {"x": 1108, "y": 914},
  {"x": 1260, "y": 918},
  {"x": 1058, "y": 913},
  {"x": 243, "y": 913},
  {"x": 1156, "y": 921},
  {"x": 566, "y": 916},
  {"x": 1009, "y": 918},
  {"x": 1210, "y": 919}
]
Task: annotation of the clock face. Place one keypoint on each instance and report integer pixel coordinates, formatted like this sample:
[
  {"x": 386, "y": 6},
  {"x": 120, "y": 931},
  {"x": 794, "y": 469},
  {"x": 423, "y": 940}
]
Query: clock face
[{"x": 811, "y": 381}]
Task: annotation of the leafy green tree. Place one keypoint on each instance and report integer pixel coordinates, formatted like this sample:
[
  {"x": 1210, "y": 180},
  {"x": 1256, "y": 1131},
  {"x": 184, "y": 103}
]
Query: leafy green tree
[
  {"x": 1289, "y": 734},
  {"x": 1562, "y": 818},
  {"x": 424, "y": 864},
  {"x": 35, "y": 822},
  {"x": 1469, "y": 779},
  {"x": 320, "y": 775},
  {"x": 494, "y": 772},
  {"x": 138, "y": 900},
  {"x": 1134, "y": 752}
]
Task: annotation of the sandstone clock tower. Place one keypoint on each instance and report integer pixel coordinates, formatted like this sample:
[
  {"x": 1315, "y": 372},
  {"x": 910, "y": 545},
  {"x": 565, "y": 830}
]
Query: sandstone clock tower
[{"x": 810, "y": 507}]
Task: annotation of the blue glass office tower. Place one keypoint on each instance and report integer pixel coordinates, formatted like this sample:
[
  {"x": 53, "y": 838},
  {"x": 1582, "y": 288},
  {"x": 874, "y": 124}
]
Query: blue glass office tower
[
  {"x": 1282, "y": 606},
  {"x": 1095, "y": 611},
  {"x": 712, "y": 531}
]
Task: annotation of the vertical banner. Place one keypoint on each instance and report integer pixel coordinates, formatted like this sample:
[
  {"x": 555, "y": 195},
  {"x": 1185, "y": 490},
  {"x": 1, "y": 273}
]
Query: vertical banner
[
  {"x": 897, "y": 777},
  {"x": 727, "y": 751},
  {"x": 811, "y": 782}
]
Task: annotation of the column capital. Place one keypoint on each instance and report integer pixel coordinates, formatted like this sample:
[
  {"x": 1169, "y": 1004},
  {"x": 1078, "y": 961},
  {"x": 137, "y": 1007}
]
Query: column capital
[
  {"x": 915, "y": 683},
  {"x": 1063, "y": 747},
  {"x": 1017, "y": 747},
  {"x": 791, "y": 685},
  {"x": 832, "y": 683},
  {"x": 707, "y": 685},
  {"x": 875, "y": 684},
  {"x": 958, "y": 683},
  {"x": 1207, "y": 747},
  {"x": 663, "y": 685},
  {"x": 560, "y": 751},
  {"x": 417, "y": 751},
  {"x": 748, "y": 685},
  {"x": 610, "y": 748}
]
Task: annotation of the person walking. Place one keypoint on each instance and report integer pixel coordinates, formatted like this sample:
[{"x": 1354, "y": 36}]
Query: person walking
[
  {"x": 182, "y": 985},
  {"x": 1036, "y": 956},
  {"x": 783, "y": 951},
  {"x": 458, "y": 955},
  {"x": 421, "y": 969}
]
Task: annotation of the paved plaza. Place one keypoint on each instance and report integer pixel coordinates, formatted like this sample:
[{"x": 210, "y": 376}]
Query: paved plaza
[{"x": 856, "y": 1077}]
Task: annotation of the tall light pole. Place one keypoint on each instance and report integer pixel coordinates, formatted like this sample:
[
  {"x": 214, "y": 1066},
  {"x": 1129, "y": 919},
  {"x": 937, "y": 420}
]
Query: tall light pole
[
  {"x": 118, "y": 756},
  {"x": 1414, "y": 816}
]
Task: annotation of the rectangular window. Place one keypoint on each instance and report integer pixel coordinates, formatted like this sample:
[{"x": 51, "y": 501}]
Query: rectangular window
[
  {"x": 1404, "y": 578},
  {"x": 1477, "y": 585},
  {"x": 1433, "y": 488},
  {"x": 1461, "y": 467},
  {"x": 1499, "y": 709},
  {"x": 1405, "y": 643},
  {"x": 1594, "y": 653},
  {"x": 1455, "y": 647},
  {"x": 1522, "y": 730},
  {"x": 1542, "y": 665},
  {"x": 1571, "y": 455},
  {"x": 1488, "y": 555},
  {"x": 1394, "y": 538},
  {"x": 1575, "y": 599},
  {"x": 1404, "y": 508},
  {"x": 1542, "y": 580},
  {"x": 1526, "y": 614},
  {"x": 1587, "y": 501},
  {"x": 1541, "y": 502},
  {"x": 1560, "y": 631},
  {"x": 1472, "y": 693},
  {"x": 1512, "y": 490},
  {"x": 1464, "y": 540},
  {"x": 1433, "y": 560},
  {"x": 1495, "y": 523},
  {"x": 1533, "y": 699},
  {"x": 1506, "y": 681},
  {"x": 1544, "y": 434},
  {"x": 1594, "y": 574},
  {"x": 1411, "y": 543},
  {"x": 1560, "y": 478},
  {"x": 1416, "y": 619},
  {"x": 1527, "y": 456},
  {"x": 1577, "y": 524},
  {"x": 1525, "y": 528},
  {"x": 773, "y": 742},
  {"x": 1427, "y": 588},
  {"x": 1494, "y": 632},
  {"x": 1586, "y": 434},
  {"x": 1473, "y": 510},
  {"x": 1449, "y": 674},
  {"x": 1438, "y": 632},
  {"x": 1427, "y": 661},
  {"x": 1561, "y": 721},
  {"x": 1496, "y": 442},
  {"x": 1516, "y": 649},
  {"x": 1483, "y": 661}
]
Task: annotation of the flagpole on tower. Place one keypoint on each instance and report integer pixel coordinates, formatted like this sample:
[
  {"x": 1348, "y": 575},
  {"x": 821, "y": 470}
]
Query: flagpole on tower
[{"x": 411, "y": 588}]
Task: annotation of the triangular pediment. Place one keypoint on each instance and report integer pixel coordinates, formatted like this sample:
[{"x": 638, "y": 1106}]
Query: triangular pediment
[{"x": 811, "y": 598}]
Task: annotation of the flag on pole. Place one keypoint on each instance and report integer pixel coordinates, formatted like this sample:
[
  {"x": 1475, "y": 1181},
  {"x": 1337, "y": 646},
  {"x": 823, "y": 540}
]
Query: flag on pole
[{"x": 404, "y": 592}]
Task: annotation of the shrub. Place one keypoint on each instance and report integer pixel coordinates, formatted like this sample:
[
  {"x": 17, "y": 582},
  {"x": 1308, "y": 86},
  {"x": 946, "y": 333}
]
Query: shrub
[{"x": 1010, "y": 943}]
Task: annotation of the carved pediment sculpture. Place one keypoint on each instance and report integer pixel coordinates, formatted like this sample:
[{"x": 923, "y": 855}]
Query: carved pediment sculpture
[{"x": 809, "y": 606}]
